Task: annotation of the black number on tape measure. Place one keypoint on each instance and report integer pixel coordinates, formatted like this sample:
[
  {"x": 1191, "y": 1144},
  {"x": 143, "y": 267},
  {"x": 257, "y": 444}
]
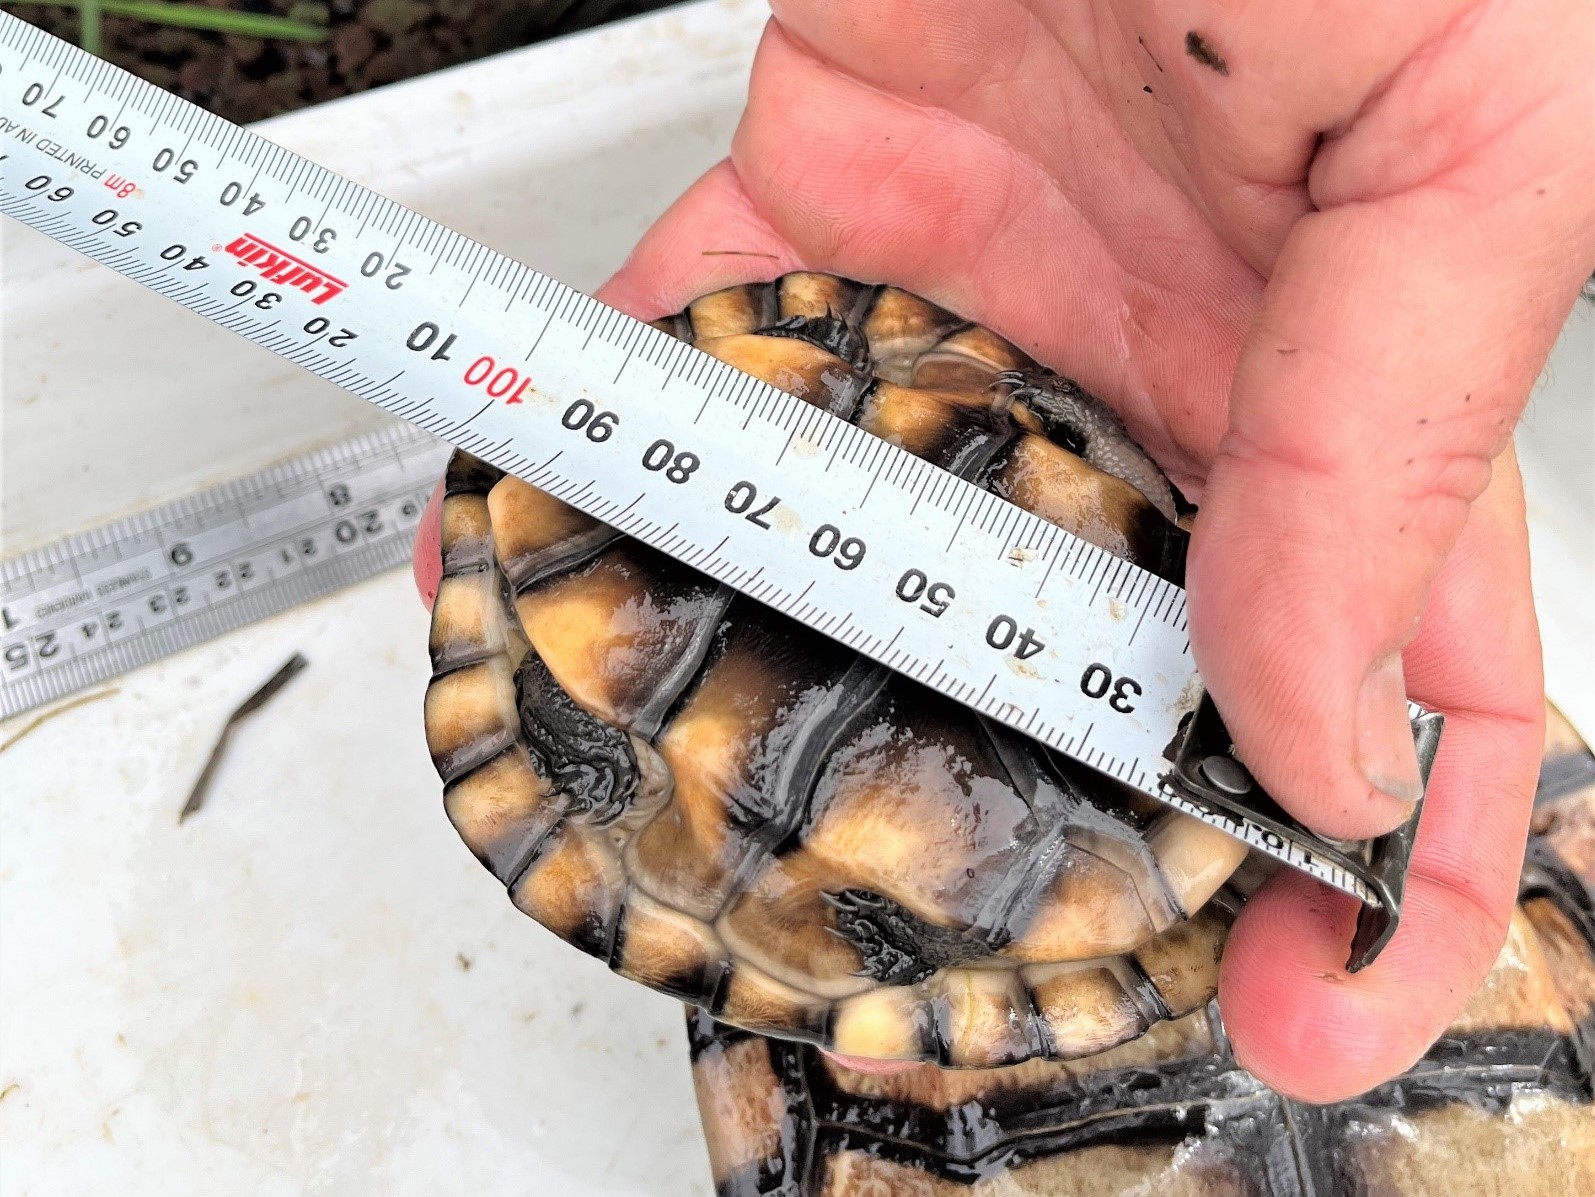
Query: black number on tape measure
[
  {"x": 321, "y": 324},
  {"x": 180, "y": 554},
  {"x": 233, "y": 192},
  {"x": 37, "y": 183},
  {"x": 17, "y": 656},
  {"x": 304, "y": 226},
  {"x": 338, "y": 495},
  {"x": 662, "y": 455},
  {"x": 7, "y": 618},
  {"x": 246, "y": 570},
  {"x": 46, "y": 646},
  {"x": 373, "y": 265},
  {"x": 345, "y": 532},
  {"x": 1098, "y": 680},
  {"x": 423, "y": 338},
  {"x": 119, "y": 135},
  {"x": 938, "y": 596},
  {"x": 113, "y": 621},
  {"x": 59, "y": 194},
  {"x": 844, "y": 552},
  {"x": 107, "y": 218},
  {"x": 371, "y": 522},
  {"x": 157, "y": 604},
  {"x": 582, "y": 416},
  {"x": 740, "y": 500},
  {"x": 246, "y": 287},
  {"x": 223, "y": 579},
  {"x": 1004, "y": 630},
  {"x": 175, "y": 253},
  {"x": 186, "y": 169},
  {"x": 35, "y": 93}
]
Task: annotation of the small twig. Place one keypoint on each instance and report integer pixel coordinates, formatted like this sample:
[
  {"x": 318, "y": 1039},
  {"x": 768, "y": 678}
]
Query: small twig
[
  {"x": 249, "y": 706},
  {"x": 82, "y": 700}
]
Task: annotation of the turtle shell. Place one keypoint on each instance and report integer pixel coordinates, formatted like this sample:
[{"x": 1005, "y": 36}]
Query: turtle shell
[
  {"x": 1504, "y": 1102},
  {"x": 739, "y": 812}
]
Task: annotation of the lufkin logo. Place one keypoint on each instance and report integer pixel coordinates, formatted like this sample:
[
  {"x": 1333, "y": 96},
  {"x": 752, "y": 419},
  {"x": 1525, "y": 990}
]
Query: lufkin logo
[{"x": 278, "y": 266}]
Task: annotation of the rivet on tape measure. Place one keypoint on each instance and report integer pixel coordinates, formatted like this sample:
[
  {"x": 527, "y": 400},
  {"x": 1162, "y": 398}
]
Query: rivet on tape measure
[{"x": 649, "y": 435}]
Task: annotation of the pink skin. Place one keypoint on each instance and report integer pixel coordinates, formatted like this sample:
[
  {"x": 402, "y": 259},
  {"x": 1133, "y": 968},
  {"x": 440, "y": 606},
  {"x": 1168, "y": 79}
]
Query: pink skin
[{"x": 1318, "y": 287}]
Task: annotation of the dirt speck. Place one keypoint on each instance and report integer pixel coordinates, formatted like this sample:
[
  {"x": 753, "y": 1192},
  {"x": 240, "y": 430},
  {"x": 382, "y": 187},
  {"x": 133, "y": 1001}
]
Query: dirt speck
[
  {"x": 1199, "y": 48},
  {"x": 463, "y": 961},
  {"x": 9, "y": 1090},
  {"x": 785, "y": 519}
]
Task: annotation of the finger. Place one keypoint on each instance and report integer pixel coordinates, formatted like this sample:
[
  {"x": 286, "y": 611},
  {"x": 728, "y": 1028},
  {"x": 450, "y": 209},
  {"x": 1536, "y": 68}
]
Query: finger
[
  {"x": 709, "y": 238},
  {"x": 1298, "y": 1020},
  {"x": 1397, "y": 342},
  {"x": 1262, "y": 105},
  {"x": 1144, "y": 305},
  {"x": 426, "y": 555}
]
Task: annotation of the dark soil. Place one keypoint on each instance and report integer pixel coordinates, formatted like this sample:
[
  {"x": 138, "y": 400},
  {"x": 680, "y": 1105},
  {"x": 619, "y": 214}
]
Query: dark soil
[{"x": 371, "y": 42}]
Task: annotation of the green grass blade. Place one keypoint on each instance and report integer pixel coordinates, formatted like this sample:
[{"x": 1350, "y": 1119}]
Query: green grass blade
[
  {"x": 89, "y": 26},
  {"x": 187, "y": 16}
]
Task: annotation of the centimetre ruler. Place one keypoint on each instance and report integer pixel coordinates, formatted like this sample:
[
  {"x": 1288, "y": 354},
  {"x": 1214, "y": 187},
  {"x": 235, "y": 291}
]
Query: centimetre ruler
[{"x": 886, "y": 553}]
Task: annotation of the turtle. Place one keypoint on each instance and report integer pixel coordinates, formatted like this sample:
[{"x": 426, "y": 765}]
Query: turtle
[
  {"x": 1504, "y": 1101},
  {"x": 731, "y": 808}
]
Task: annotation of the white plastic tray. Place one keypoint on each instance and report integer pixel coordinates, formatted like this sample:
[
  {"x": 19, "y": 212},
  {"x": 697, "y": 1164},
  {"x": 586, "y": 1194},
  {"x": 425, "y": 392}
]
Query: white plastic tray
[{"x": 310, "y": 988}]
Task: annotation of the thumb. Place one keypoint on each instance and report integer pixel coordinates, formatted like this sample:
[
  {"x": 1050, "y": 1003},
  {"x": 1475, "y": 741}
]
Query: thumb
[{"x": 1395, "y": 348}]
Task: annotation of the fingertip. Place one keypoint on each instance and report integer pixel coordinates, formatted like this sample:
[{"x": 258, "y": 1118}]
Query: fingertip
[
  {"x": 426, "y": 558},
  {"x": 1309, "y": 1029},
  {"x": 871, "y": 1067}
]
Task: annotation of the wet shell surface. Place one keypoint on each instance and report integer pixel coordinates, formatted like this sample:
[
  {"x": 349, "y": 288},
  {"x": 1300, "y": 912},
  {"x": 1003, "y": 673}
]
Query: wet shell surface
[
  {"x": 1503, "y": 1103},
  {"x": 741, "y": 813}
]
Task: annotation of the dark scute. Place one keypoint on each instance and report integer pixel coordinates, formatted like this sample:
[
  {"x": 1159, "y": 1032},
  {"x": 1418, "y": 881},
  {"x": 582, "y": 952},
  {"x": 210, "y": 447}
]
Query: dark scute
[
  {"x": 468, "y": 475},
  {"x": 830, "y": 332},
  {"x": 898, "y": 947},
  {"x": 1279, "y": 1147},
  {"x": 589, "y": 762}
]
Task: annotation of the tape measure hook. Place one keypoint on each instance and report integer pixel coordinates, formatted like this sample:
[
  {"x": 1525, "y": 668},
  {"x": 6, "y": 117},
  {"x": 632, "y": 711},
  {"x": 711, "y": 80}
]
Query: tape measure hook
[{"x": 1207, "y": 774}]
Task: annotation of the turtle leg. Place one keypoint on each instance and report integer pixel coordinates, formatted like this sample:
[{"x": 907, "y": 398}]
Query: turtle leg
[{"x": 1087, "y": 427}]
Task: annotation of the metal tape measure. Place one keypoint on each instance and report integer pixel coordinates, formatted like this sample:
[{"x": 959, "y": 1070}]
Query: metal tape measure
[{"x": 815, "y": 517}]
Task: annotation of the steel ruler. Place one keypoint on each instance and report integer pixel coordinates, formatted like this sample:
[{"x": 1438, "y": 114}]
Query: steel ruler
[
  {"x": 92, "y": 606},
  {"x": 896, "y": 558}
]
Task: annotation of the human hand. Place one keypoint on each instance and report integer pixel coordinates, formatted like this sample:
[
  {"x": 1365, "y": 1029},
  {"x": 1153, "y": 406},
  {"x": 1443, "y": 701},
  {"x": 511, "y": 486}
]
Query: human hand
[{"x": 1316, "y": 258}]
